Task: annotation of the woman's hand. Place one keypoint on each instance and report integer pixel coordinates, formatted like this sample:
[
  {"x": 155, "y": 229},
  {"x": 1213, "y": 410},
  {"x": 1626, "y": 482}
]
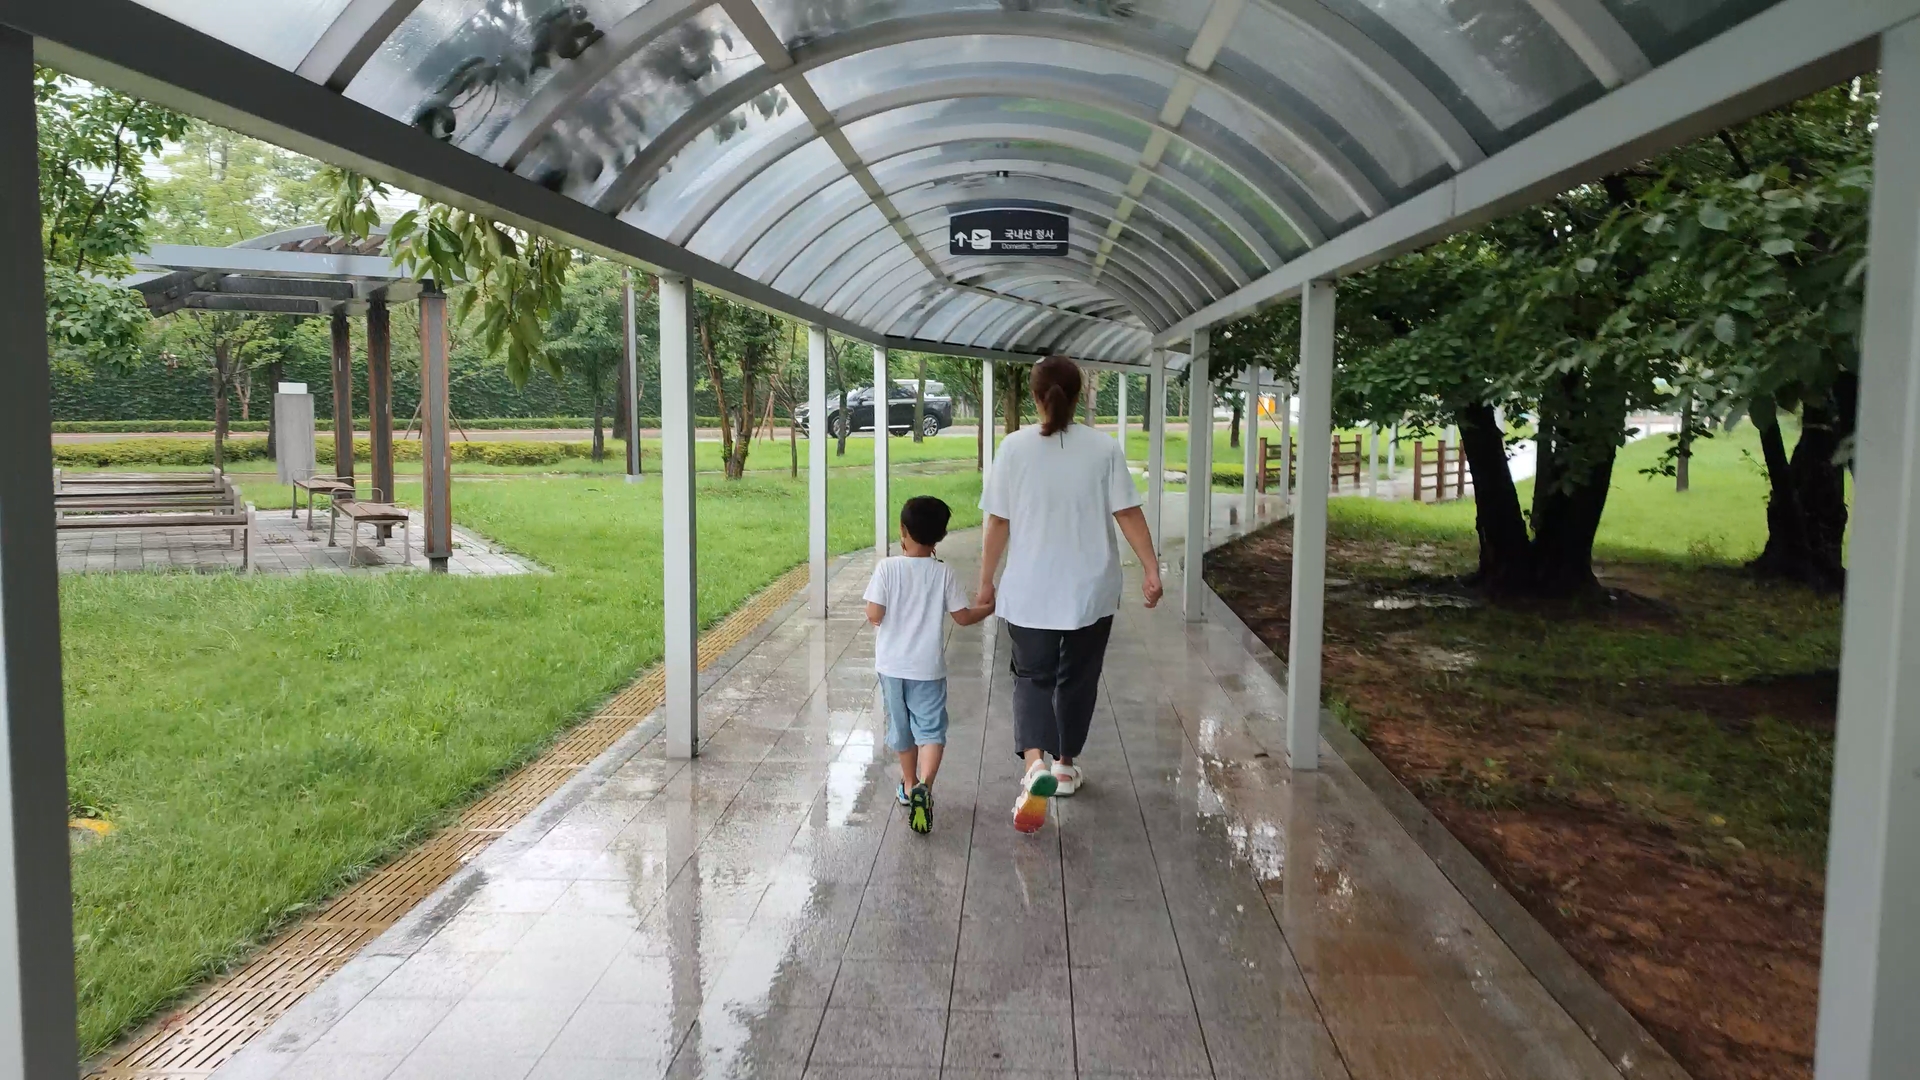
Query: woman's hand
[
  {"x": 986, "y": 595},
  {"x": 1150, "y": 585}
]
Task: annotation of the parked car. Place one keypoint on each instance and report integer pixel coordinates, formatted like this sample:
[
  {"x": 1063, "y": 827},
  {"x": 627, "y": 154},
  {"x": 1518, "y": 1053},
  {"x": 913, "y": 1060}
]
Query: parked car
[{"x": 859, "y": 408}]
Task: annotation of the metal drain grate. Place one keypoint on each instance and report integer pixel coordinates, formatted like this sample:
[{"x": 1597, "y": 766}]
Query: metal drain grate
[{"x": 198, "y": 1038}]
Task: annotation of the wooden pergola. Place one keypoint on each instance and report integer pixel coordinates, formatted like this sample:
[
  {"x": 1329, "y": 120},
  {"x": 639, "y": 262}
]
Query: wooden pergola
[{"x": 309, "y": 272}]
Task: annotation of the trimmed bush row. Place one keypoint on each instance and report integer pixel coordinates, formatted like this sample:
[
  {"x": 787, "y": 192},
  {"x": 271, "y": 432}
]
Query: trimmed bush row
[
  {"x": 490, "y": 423},
  {"x": 128, "y": 452}
]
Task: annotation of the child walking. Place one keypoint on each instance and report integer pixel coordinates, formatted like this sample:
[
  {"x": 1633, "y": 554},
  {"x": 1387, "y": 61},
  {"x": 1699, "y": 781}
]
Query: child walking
[{"x": 906, "y": 602}]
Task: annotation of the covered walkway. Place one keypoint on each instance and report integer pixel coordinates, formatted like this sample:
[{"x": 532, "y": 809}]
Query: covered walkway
[{"x": 762, "y": 910}]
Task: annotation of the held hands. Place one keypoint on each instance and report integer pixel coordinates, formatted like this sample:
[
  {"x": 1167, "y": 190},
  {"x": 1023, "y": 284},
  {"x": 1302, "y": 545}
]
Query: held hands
[{"x": 985, "y": 596}]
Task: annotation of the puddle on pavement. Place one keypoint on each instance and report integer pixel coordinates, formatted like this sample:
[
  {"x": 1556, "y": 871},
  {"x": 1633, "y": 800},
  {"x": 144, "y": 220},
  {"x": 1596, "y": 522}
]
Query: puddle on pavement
[{"x": 1409, "y": 602}]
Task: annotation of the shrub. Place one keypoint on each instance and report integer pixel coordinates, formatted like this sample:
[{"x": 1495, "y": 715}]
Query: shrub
[{"x": 125, "y": 452}]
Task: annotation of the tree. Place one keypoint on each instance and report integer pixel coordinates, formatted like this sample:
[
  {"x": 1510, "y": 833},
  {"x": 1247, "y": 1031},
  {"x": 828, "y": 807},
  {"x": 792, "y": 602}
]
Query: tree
[
  {"x": 95, "y": 197},
  {"x": 741, "y": 346},
  {"x": 230, "y": 344},
  {"x": 223, "y": 187},
  {"x": 587, "y": 337}
]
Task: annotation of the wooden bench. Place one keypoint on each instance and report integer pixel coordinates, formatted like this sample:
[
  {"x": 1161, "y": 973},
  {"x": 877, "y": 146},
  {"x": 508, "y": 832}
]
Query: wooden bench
[
  {"x": 333, "y": 487},
  {"x": 234, "y": 516},
  {"x": 65, "y": 483},
  {"x": 360, "y": 513}
]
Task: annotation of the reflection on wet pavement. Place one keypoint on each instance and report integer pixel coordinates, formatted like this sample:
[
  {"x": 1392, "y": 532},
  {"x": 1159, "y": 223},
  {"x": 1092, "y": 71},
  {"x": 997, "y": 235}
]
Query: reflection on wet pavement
[{"x": 1195, "y": 911}]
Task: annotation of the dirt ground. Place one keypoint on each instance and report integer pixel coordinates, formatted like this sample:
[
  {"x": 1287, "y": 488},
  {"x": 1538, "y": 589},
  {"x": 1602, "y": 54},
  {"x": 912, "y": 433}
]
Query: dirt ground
[{"x": 1639, "y": 814}]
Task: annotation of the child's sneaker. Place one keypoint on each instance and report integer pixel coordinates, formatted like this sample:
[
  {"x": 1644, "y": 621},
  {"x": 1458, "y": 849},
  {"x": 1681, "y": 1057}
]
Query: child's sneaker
[
  {"x": 920, "y": 817},
  {"x": 1067, "y": 779},
  {"x": 900, "y": 794},
  {"x": 1030, "y": 810}
]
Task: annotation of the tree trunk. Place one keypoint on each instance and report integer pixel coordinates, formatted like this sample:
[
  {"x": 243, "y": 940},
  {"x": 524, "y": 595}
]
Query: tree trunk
[
  {"x": 744, "y": 418},
  {"x": 881, "y": 398},
  {"x": 719, "y": 390},
  {"x": 1233, "y": 428},
  {"x": 1685, "y": 456},
  {"x": 1806, "y": 501},
  {"x": 1011, "y": 405},
  {"x": 622, "y": 392},
  {"x": 1569, "y": 496},
  {"x": 599, "y": 434},
  {"x": 244, "y": 387},
  {"x": 220, "y": 406},
  {"x": 846, "y": 414},
  {"x": 1506, "y": 552}
]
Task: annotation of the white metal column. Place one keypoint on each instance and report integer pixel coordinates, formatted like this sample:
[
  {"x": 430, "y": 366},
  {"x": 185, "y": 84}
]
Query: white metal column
[
  {"x": 1870, "y": 959},
  {"x": 1373, "y": 462},
  {"x": 680, "y": 602},
  {"x": 986, "y": 420},
  {"x": 817, "y": 470},
  {"x": 1157, "y": 448},
  {"x": 1199, "y": 474},
  {"x": 1284, "y": 402},
  {"x": 1306, "y": 624},
  {"x": 436, "y": 461},
  {"x": 1250, "y": 448},
  {"x": 883, "y": 528},
  {"x": 631, "y": 363},
  {"x": 1120, "y": 425},
  {"x": 36, "y": 899}
]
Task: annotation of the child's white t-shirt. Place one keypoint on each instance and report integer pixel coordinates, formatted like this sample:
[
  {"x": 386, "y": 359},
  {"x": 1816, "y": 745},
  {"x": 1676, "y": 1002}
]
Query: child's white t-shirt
[{"x": 918, "y": 594}]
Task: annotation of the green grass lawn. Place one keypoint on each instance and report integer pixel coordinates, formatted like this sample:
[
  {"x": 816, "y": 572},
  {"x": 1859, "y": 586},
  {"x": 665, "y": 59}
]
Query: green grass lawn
[
  {"x": 261, "y": 741},
  {"x": 1722, "y": 517}
]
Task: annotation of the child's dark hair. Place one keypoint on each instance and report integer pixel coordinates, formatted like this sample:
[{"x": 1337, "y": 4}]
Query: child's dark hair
[{"x": 925, "y": 519}]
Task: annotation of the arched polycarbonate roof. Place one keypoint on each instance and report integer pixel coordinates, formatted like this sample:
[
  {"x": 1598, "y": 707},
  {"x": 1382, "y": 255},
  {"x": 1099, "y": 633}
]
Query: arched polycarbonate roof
[{"x": 815, "y": 147}]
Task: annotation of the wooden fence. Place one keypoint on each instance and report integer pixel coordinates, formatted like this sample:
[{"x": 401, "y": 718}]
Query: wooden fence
[
  {"x": 1433, "y": 467},
  {"x": 1348, "y": 462}
]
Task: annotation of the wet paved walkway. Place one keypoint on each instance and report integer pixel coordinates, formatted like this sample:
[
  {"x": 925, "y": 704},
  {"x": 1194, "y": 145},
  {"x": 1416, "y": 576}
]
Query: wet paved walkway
[
  {"x": 284, "y": 545},
  {"x": 764, "y": 911}
]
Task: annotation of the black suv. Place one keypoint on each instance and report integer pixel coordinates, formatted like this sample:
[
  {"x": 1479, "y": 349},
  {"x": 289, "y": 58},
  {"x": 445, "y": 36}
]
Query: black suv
[{"x": 938, "y": 411}]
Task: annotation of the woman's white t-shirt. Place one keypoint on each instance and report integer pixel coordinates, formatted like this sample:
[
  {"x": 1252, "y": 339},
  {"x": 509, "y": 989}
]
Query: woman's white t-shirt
[{"x": 1059, "y": 493}]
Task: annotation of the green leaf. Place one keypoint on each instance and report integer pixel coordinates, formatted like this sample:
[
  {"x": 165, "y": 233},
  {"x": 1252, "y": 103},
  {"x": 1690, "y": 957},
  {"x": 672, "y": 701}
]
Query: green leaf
[
  {"x": 1586, "y": 265},
  {"x": 1779, "y": 245},
  {"x": 1725, "y": 329},
  {"x": 1712, "y": 216}
]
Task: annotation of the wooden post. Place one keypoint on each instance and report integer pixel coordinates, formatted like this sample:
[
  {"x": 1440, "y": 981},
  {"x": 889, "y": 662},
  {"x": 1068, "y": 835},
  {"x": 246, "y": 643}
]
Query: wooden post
[
  {"x": 1261, "y": 478},
  {"x": 1419, "y": 466},
  {"x": 380, "y": 400},
  {"x": 342, "y": 395},
  {"x": 1459, "y": 472}
]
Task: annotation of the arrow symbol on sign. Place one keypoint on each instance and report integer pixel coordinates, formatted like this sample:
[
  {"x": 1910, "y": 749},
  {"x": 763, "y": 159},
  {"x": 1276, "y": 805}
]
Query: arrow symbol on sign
[{"x": 960, "y": 238}]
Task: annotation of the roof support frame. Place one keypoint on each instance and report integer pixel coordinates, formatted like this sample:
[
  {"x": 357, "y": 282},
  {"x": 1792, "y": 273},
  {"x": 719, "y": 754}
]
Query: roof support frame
[
  {"x": 1596, "y": 37},
  {"x": 650, "y": 160},
  {"x": 351, "y": 40},
  {"x": 1038, "y": 87},
  {"x": 1785, "y": 52},
  {"x": 896, "y": 186}
]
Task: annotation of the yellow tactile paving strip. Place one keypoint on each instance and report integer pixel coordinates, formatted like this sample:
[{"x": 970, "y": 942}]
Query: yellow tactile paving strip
[{"x": 197, "y": 1039}]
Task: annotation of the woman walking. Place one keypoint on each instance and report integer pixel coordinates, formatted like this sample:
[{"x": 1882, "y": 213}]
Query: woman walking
[{"x": 1051, "y": 503}]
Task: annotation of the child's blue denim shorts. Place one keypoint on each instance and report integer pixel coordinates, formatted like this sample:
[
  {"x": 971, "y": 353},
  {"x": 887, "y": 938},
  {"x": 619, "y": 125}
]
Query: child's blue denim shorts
[{"x": 916, "y": 712}]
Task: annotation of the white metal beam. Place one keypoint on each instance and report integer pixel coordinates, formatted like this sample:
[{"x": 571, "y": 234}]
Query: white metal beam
[
  {"x": 1156, "y": 432},
  {"x": 1595, "y": 36},
  {"x": 817, "y": 440},
  {"x": 1870, "y": 957},
  {"x": 351, "y": 39},
  {"x": 680, "y": 600},
  {"x": 1199, "y": 475},
  {"x": 883, "y": 527},
  {"x": 1306, "y": 623},
  {"x": 1250, "y": 446},
  {"x": 1783, "y": 53}
]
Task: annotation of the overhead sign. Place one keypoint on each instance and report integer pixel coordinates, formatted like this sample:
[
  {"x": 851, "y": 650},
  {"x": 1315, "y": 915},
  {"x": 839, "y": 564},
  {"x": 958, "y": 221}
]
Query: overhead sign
[{"x": 1008, "y": 230}]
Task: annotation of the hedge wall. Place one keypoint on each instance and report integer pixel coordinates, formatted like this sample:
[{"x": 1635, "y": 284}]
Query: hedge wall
[{"x": 128, "y": 452}]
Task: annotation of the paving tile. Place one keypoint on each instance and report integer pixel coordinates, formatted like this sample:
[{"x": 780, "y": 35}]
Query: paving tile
[
  {"x": 907, "y": 1037},
  {"x": 893, "y": 984},
  {"x": 729, "y": 1042},
  {"x": 1131, "y": 990},
  {"x": 463, "y": 1067},
  {"x": 506, "y": 1028},
  {"x": 1018, "y": 987},
  {"x": 1027, "y": 1042},
  {"x": 644, "y": 1035},
  {"x": 320, "y": 1066},
  {"x": 1144, "y": 1045},
  {"x": 383, "y": 1026},
  {"x": 1245, "y": 1048}
]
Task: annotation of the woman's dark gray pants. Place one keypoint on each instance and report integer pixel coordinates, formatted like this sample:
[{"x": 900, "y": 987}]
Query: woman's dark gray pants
[{"x": 1056, "y": 679}]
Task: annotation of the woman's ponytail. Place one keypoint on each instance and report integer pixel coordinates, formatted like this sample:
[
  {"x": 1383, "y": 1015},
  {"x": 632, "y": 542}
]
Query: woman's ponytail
[{"x": 1055, "y": 383}]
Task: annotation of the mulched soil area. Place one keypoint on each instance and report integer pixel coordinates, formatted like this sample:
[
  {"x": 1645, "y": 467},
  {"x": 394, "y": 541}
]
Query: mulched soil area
[{"x": 1712, "y": 944}]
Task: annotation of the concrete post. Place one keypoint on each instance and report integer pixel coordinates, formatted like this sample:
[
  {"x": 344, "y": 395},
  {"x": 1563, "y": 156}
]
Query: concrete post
[
  {"x": 1199, "y": 474},
  {"x": 1307, "y": 623},
  {"x": 817, "y": 471},
  {"x": 1120, "y": 427},
  {"x": 630, "y": 363},
  {"x": 883, "y": 526},
  {"x": 436, "y": 466},
  {"x": 1157, "y": 449},
  {"x": 680, "y": 533},
  {"x": 36, "y": 897},
  {"x": 1373, "y": 462},
  {"x": 1284, "y": 400},
  {"x": 1250, "y": 448},
  {"x": 1870, "y": 959}
]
